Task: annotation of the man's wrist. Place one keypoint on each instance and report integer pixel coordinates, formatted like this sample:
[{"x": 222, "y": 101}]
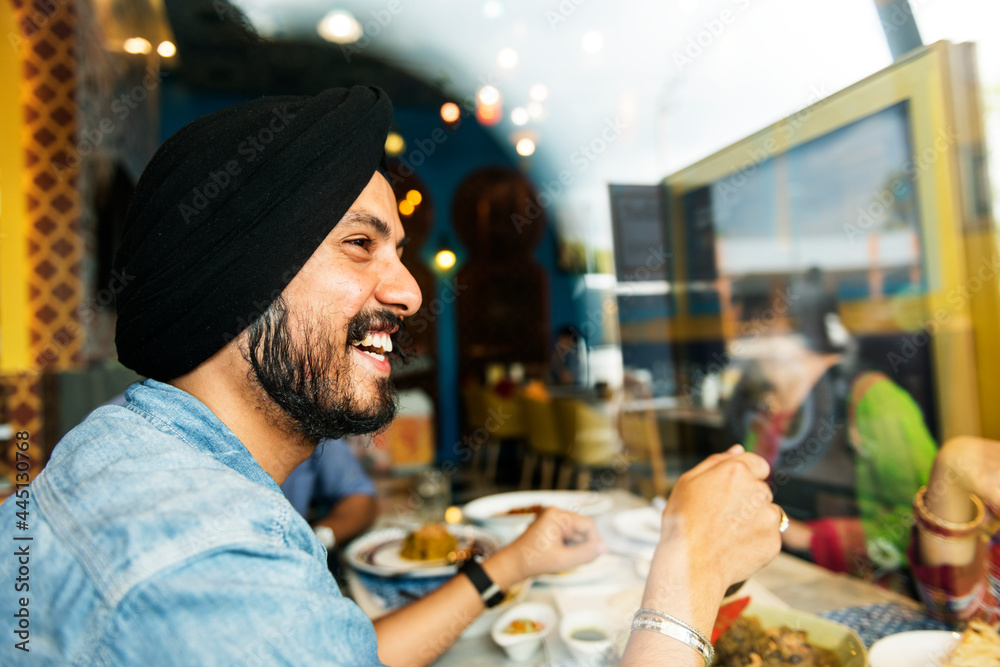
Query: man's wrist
[
  {"x": 504, "y": 568},
  {"x": 677, "y": 586}
]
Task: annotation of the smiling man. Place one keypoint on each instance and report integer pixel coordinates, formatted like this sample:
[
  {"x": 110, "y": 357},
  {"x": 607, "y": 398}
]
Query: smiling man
[
  {"x": 265, "y": 322},
  {"x": 263, "y": 302}
]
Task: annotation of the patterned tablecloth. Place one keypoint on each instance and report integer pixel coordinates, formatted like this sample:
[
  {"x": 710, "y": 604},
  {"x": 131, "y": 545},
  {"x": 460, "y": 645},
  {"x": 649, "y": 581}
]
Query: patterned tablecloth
[
  {"x": 391, "y": 593},
  {"x": 875, "y": 621}
]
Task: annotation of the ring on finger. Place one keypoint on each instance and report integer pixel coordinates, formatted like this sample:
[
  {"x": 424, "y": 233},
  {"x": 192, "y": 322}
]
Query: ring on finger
[{"x": 783, "y": 525}]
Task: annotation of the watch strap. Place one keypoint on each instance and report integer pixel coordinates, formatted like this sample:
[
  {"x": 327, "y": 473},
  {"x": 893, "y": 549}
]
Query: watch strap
[{"x": 488, "y": 590}]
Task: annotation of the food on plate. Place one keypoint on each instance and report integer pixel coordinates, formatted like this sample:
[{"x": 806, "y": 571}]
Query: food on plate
[
  {"x": 529, "y": 509},
  {"x": 429, "y": 542},
  {"x": 523, "y": 626},
  {"x": 979, "y": 645},
  {"x": 748, "y": 644}
]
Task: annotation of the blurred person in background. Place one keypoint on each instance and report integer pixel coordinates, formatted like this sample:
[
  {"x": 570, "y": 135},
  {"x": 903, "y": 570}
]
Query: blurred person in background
[
  {"x": 848, "y": 446},
  {"x": 333, "y": 493},
  {"x": 566, "y": 365}
]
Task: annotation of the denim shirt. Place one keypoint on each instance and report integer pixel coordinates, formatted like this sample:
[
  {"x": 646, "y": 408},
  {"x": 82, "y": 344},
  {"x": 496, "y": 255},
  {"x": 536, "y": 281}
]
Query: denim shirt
[{"x": 159, "y": 540}]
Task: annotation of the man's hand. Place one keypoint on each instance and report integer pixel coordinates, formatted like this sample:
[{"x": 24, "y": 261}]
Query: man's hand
[
  {"x": 720, "y": 521},
  {"x": 719, "y": 527},
  {"x": 556, "y": 541}
]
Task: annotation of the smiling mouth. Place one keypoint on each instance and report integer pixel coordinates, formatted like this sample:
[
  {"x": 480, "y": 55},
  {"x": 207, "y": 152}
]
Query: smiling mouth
[{"x": 377, "y": 344}]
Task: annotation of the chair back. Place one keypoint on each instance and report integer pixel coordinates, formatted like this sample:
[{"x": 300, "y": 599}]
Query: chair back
[
  {"x": 592, "y": 436},
  {"x": 641, "y": 437},
  {"x": 541, "y": 426},
  {"x": 503, "y": 415}
]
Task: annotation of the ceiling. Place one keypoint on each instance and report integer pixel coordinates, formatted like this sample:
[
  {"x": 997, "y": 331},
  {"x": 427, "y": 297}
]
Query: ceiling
[{"x": 671, "y": 81}]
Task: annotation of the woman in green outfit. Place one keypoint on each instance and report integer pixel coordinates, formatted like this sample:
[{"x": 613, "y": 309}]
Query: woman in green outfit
[{"x": 848, "y": 446}]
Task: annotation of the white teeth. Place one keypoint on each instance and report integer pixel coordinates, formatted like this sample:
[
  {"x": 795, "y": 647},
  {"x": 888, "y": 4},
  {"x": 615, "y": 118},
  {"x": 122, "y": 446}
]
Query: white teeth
[
  {"x": 372, "y": 354},
  {"x": 377, "y": 339}
]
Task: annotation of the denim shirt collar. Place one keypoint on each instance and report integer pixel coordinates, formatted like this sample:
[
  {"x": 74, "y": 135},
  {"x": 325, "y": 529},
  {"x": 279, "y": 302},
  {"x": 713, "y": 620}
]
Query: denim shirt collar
[{"x": 177, "y": 412}]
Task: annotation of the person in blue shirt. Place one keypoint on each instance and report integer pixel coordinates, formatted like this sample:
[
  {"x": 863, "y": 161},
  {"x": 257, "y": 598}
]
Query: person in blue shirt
[
  {"x": 333, "y": 492},
  {"x": 262, "y": 296}
]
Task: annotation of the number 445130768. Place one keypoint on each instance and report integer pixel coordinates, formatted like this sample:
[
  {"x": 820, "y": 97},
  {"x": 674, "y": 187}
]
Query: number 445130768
[{"x": 22, "y": 464}]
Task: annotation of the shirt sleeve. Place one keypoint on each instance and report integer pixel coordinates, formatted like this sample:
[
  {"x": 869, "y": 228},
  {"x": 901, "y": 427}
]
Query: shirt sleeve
[
  {"x": 896, "y": 452},
  {"x": 340, "y": 473},
  {"x": 957, "y": 594},
  {"x": 255, "y": 605}
]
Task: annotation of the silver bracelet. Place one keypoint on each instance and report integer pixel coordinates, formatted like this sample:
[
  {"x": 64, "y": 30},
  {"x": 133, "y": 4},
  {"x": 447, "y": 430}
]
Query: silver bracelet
[
  {"x": 654, "y": 612},
  {"x": 665, "y": 624}
]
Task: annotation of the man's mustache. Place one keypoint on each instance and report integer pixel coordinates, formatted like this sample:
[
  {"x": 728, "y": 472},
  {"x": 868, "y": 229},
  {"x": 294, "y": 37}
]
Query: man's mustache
[{"x": 378, "y": 320}]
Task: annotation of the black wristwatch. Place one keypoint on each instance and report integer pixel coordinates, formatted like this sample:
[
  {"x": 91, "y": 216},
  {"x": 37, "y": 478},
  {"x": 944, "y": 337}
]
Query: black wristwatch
[{"x": 489, "y": 591}]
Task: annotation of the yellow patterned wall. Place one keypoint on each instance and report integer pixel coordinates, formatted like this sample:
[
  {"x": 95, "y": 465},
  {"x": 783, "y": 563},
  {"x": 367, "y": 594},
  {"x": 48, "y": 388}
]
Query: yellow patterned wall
[
  {"x": 41, "y": 264},
  {"x": 53, "y": 204}
]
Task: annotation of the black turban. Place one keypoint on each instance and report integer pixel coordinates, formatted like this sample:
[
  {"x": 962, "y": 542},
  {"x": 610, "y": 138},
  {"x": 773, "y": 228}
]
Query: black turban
[{"x": 228, "y": 211}]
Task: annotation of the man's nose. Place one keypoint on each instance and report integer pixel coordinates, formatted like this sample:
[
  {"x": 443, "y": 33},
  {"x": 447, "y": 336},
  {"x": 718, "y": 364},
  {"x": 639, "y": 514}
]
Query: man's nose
[{"x": 398, "y": 289}]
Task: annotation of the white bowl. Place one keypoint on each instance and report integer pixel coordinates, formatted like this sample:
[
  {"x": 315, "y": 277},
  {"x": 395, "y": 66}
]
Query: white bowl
[
  {"x": 586, "y": 650},
  {"x": 484, "y": 622},
  {"x": 520, "y": 647}
]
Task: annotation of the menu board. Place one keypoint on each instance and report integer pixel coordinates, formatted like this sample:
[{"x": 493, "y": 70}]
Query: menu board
[{"x": 640, "y": 242}]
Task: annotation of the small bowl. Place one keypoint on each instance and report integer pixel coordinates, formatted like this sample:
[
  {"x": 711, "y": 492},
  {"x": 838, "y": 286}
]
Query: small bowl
[
  {"x": 484, "y": 622},
  {"x": 520, "y": 647},
  {"x": 585, "y": 650}
]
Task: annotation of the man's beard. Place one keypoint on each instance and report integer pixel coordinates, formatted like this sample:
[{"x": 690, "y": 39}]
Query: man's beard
[{"x": 312, "y": 384}]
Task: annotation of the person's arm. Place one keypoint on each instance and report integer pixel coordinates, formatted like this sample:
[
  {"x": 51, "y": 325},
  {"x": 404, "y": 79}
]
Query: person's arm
[
  {"x": 719, "y": 527},
  {"x": 964, "y": 466},
  {"x": 951, "y": 572},
  {"x": 418, "y": 633},
  {"x": 351, "y": 516}
]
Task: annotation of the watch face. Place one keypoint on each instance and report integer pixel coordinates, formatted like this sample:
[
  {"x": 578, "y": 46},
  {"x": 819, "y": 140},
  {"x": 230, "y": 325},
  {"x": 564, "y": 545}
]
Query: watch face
[{"x": 325, "y": 535}]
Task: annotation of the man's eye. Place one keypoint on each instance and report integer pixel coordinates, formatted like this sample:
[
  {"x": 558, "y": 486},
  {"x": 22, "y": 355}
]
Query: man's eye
[{"x": 361, "y": 243}]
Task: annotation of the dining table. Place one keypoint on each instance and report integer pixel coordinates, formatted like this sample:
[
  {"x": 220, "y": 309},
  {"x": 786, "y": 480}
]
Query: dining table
[{"x": 788, "y": 582}]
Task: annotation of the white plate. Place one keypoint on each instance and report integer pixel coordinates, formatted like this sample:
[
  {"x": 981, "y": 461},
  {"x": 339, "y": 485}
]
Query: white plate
[
  {"x": 642, "y": 524},
  {"x": 912, "y": 649},
  {"x": 595, "y": 569},
  {"x": 492, "y": 511},
  {"x": 496, "y": 506},
  {"x": 378, "y": 552}
]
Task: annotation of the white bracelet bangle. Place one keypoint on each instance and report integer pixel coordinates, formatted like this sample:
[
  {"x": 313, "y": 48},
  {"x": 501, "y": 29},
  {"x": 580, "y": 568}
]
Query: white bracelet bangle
[{"x": 665, "y": 624}]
